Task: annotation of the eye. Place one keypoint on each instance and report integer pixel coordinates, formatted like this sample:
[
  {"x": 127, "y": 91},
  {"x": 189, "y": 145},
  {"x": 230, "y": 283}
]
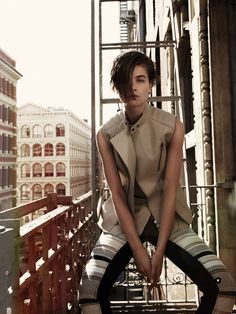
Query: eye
[{"x": 140, "y": 80}]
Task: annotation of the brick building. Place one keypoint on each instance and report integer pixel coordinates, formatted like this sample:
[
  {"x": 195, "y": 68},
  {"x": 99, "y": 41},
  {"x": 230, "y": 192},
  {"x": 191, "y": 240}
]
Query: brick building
[{"x": 8, "y": 81}]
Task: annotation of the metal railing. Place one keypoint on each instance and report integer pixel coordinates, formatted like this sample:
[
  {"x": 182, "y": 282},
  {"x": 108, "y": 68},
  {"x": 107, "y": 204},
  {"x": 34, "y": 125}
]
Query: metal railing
[{"x": 43, "y": 259}]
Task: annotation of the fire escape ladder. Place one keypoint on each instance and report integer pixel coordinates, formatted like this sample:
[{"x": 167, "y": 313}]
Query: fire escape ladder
[{"x": 123, "y": 22}]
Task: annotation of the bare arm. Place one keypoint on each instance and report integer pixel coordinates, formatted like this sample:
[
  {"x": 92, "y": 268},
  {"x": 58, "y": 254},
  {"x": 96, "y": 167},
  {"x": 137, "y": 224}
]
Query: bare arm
[
  {"x": 118, "y": 196},
  {"x": 172, "y": 174}
]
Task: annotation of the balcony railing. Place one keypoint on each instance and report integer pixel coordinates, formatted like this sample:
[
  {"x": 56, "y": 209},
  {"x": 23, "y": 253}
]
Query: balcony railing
[{"x": 41, "y": 261}]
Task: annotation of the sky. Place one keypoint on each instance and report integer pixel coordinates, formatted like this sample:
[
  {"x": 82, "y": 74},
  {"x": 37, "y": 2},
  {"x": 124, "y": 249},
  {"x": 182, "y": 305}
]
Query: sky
[{"x": 50, "y": 42}]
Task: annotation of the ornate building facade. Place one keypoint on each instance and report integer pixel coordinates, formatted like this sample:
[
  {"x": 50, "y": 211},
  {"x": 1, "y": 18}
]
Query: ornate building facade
[
  {"x": 8, "y": 81},
  {"x": 53, "y": 153}
]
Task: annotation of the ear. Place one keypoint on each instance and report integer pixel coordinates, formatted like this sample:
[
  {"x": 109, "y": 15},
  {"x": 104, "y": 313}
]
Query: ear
[{"x": 150, "y": 86}]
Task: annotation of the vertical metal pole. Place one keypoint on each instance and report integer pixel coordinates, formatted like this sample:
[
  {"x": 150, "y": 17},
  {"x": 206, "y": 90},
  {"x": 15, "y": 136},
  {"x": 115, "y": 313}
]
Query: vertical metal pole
[
  {"x": 100, "y": 65},
  {"x": 180, "y": 103},
  {"x": 93, "y": 111}
]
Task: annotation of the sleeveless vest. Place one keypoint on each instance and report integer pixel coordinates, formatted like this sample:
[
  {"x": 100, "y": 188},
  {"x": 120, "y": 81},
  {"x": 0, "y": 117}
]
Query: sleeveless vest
[{"x": 140, "y": 152}]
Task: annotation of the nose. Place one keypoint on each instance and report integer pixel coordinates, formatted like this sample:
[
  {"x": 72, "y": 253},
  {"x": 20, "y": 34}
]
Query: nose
[{"x": 133, "y": 86}]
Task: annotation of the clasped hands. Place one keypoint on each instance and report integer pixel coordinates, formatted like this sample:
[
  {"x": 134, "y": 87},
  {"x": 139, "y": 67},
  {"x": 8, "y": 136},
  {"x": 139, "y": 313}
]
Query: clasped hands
[{"x": 150, "y": 267}]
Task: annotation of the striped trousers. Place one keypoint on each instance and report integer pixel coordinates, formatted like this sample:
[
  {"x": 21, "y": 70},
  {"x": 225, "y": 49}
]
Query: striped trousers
[{"x": 185, "y": 249}]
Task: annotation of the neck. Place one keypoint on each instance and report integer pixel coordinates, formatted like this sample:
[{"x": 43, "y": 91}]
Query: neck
[{"x": 133, "y": 114}]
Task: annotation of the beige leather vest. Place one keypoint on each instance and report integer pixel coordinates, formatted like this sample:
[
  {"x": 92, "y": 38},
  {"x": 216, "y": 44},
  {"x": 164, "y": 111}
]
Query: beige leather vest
[{"x": 140, "y": 152}]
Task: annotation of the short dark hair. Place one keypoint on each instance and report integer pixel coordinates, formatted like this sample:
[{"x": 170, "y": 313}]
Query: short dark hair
[{"x": 123, "y": 67}]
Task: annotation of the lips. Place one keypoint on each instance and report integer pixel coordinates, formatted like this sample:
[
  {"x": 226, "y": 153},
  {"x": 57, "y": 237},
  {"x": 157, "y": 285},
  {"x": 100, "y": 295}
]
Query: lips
[{"x": 133, "y": 97}]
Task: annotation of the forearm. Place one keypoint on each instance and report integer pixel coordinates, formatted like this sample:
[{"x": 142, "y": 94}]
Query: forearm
[
  {"x": 172, "y": 174},
  {"x": 167, "y": 218}
]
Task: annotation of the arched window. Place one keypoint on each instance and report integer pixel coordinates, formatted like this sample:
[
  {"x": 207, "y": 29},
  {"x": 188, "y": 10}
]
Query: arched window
[
  {"x": 37, "y": 170},
  {"x": 48, "y": 149},
  {"x": 25, "y": 131},
  {"x": 37, "y": 191},
  {"x": 25, "y": 150},
  {"x": 37, "y": 150},
  {"x": 60, "y": 149},
  {"x": 60, "y": 170},
  {"x": 25, "y": 192},
  {"x": 25, "y": 171},
  {"x": 60, "y": 130},
  {"x": 37, "y": 131},
  {"x": 48, "y": 188},
  {"x": 48, "y": 170},
  {"x": 48, "y": 130},
  {"x": 61, "y": 189}
]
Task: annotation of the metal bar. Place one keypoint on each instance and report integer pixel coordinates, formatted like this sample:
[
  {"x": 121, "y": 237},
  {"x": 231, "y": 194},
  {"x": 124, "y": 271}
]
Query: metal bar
[
  {"x": 141, "y": 42},
  {"x": 93, "y": 111},
  {"x": 180, "y": 103},
  {"x": 124, "y": 45},
  {"x": 100, "y": 65},
  {"x": 22, "y": 210},
  {"x": 156, "y": 98}
]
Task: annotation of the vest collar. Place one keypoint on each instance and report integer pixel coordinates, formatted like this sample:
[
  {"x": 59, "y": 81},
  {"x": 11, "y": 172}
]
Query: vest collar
[{"x": 133, "y": 127}]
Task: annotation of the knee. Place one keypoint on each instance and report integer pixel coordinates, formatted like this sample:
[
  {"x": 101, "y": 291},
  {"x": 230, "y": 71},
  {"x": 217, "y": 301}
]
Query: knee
[
  {"x": 88, "y": 289},
  {"x": 225, "y": 284},
  {"x": 87, "y": 297},
  {"x": 226, "y": 293}
]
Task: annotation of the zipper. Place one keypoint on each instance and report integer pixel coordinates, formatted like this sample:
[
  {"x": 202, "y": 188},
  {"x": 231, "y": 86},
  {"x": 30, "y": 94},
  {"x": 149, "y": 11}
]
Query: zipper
[{"x": 159, "y": 162}]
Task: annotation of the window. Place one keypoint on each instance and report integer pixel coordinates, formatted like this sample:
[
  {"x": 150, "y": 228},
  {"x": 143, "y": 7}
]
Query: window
[
  {"x": 25, "y": 192},
  {"x": 5, "y": 114},
  {"x": 25, "y": 171},
  {"x": 61, "y": 189},
  {"x": 60, "y": 130},
  {"x": 48, "y": 130},
  {"x": 48, "y": 189},
  {"x": 37, "y": 150},
  {"x": 37, "y": 191},
  {"x": 60, "y": 169},
  {"x": 25, "y": 131},
  {"x": 37, "y": 131},
  {"x": 37, "y": 170},
  {"x": 10, "y": 143},
  {"x": 25, "y": 150},
  {"x": 4, "y": 143},
  {"x": 48, "y": 170},
  {"x": 60, "y": 149},
  {"x": 48, "y": 149}
]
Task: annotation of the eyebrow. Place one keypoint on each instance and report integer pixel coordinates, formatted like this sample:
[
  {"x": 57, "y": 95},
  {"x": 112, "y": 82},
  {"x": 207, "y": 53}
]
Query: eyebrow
[{"x": 141, "y": 76}]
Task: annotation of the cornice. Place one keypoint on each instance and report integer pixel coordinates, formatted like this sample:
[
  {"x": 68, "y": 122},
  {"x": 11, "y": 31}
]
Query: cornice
[
  {"x": 7, "y": 100},
  {"x": 10, "y": 70}
]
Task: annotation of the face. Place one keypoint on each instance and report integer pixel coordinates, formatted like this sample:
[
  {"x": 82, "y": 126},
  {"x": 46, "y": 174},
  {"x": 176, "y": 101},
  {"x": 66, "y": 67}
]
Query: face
[{"x": 140, "y": 88}]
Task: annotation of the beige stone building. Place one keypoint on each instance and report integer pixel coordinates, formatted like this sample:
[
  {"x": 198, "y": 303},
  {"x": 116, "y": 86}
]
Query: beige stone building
[
  {"x": 8, "y": 81},
  {"x": 54, "y": 149},
  {"x": 196, "y": 60}
]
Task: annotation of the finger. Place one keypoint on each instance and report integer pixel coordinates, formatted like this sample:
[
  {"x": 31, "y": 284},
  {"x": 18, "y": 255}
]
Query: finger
[{"x": 153, "y": 274}]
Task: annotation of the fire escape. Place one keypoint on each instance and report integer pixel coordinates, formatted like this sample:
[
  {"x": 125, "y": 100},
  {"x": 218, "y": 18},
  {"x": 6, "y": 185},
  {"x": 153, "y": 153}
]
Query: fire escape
[
  {"x": 131, "y": 293},
  {"x": 42, "y": 261}
]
